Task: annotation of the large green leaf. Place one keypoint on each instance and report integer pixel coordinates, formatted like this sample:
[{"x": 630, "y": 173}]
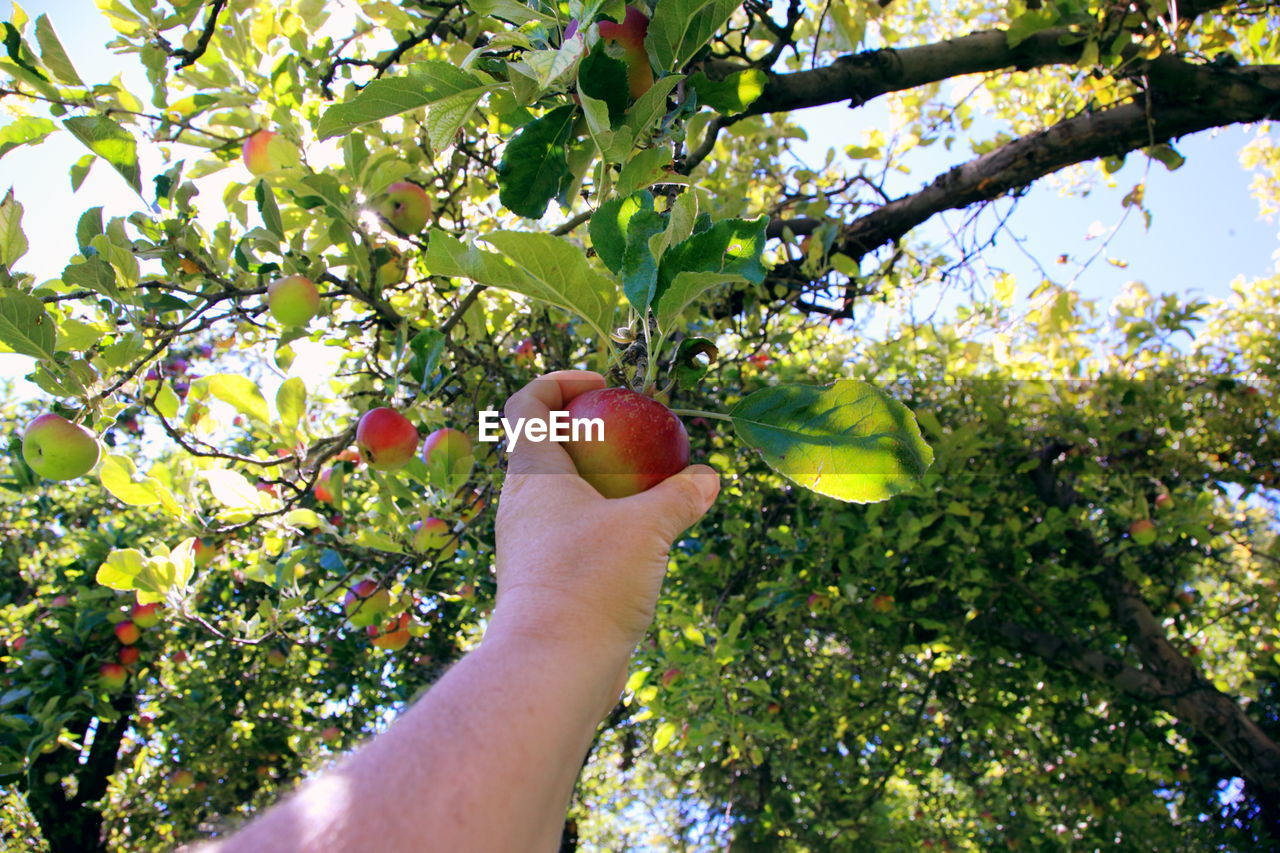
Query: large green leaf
[
  {"x": 291, "y": 401},
  {"x": 680, "y": 28},
  {"x": 13, "y": 242},
  {"x": 28, "y": 130},
  {"x": 849, "y": 441},
  {"x": 448, "y": 93},
  {"x": 685, "y": 289},
  {"x": 608, "y": 226},
  {"x": 25, "y": 327},
  {"x": 639, "y": 267},
  {"x": 535, "y": 168},
  {"x": 53, "y": 54},
  {"x": 238, "y": 391},
  {"x": 120, "y": 478},
  {"x": 733, "y": 94},
  {"x": 112, "y": 143},
  {"x": 538, "y": 265},
  {"x": 731, "y": 246}
]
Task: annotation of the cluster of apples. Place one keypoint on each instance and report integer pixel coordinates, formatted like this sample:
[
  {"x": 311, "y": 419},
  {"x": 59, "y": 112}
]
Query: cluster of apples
[
  {"x": 113, "y": 675},
  {"x": 365, "y": 605},
  {"x": 404, "y": 205}
]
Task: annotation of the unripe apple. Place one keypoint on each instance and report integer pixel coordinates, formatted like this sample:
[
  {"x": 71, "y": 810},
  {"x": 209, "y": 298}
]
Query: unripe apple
[
  {"x": 57, "y": 449},
  {"x": 1143, "y": 531},
  {"x": 432, "y": 535},
  {"x": 406, "y": 206},
  {"x": 644, "y": 443},
  {"x": 276, "y": 658},
  {"x": 386, "y": 438},
  {"x": 127, "y": 632},
  {"x": 391, "y": 271},
  {"x": 182, "y": 779},
  {"x": 773, "y": 708},
  {"x": 267, "y": 151},
  {"x": 128, "y": 655},
  {"x": 145, "y": 615},
  {"x": 327, "y": 486},
  {"x": 630, "y": 35},
  {"x": 203, "y": 552},
  {"x": 112, "y": 676},
  {"x": 293, "y": 300},
  {"x": 525, "y": 354},
  {"x": 365, "y": 602},
  {"x": 447, "y": 453},
  {"x": 1164, "y": 501}
]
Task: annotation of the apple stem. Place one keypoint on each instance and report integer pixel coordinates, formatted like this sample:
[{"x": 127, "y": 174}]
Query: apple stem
[{"x": 699, "y": 413}]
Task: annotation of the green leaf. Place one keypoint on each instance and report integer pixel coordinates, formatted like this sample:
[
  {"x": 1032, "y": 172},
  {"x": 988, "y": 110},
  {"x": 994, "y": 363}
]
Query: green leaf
[
  {"x": 639, "y": 271},
  {"x": 732, "y": 247},
  {"x": 511, "y": 10},
  {"x": 664, "y": 735},
  {"x": 94, "y": 274},
  {"x": 646, "y": 168},
  {"x": 121, "y": 569},
  {"x": 112, "y": 143},
  {"x": 233, "y": 491},
  {"x": 534, "y": 168},
  {"x": 238, "y": 391},
  {"x": 685, "y": 289},
  {"x": 848, "y": 441},
  {"x": 268, "y": 208},
  {"x": 608, "y": 226},
  {"x": 538, "y": 265},
  {"x": 13, "y": 242},
  {"x": 28, "y": 130},
  {"x": 25, "y": 327},
  {"x": 1166, "y": 154},
  {"x": 1029, "y": 23},
  {"x": 291, "y": 401},
  {"x": 119, "y": 477},
  {"x": 732, "y": 95},
  {"x": 16, "y": 48},
  {"x": 693, "y": 359},
  {"x": 53, "y": 55},
  {"x": 605, "y": 78},
  {"x": 448, "y": 93},
  {"x": 427, "y": 346},
  {"x": 650, "y": 106},
  {"x": 680, "y": 28}
]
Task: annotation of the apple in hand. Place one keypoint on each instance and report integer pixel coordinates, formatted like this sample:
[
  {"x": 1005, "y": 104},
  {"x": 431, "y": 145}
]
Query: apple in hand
[
  {"x": 127, "y": 632},
  {"x": 365, "y": 602},
  {"x": 629, "y": 35},
  {"x": 293, "y": 300},
  {"x": 1143, "y": 531},
  {"x": 406, "y": 206},
  {"x": 432, "y": 535},
  {"x": 57, "y": 449},
  {"x": 386, "y": 438},
  {"x": 112, "y": 676},
  {"x": 145, "y": 615},
  {"x": 644, "y": 443},
  {"x": 267, "y": 151}
]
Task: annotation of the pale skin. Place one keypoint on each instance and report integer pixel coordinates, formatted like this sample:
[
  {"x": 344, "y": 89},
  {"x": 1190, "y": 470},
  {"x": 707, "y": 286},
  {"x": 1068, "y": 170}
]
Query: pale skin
[{"x": 487, "y": 759}]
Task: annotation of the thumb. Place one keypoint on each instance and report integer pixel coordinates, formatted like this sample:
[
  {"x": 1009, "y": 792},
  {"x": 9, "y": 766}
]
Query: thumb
[{"x": 676, "y": 504}]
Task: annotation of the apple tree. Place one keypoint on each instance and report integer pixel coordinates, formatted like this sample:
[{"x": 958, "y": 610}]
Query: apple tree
[{"x": 919, "y": 615}]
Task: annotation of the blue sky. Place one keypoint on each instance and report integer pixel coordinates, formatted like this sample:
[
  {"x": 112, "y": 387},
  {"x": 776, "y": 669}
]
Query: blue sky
[{"x": 1205, "y": 230}]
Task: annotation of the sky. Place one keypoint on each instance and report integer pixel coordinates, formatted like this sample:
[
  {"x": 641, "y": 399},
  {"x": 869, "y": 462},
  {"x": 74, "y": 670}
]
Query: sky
[{"x": 1205, "y": 230}]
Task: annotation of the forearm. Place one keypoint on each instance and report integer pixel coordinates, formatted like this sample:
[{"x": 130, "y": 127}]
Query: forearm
[{"x": 490, "y": 756}]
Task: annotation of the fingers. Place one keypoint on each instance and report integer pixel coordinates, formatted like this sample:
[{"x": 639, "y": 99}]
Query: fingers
[
  {"x": 678, "y": 502},
  {"x": 537, "y": 401}
]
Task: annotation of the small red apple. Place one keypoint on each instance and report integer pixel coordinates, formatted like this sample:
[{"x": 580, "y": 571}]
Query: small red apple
[
  {"x": 525, "y": 354},
  {"x": 406, "y": 206},
  {"x": 326, "y": 489},
  {"x": 394, "y": 635},
  {"x": 179, "y": 656},
  {"x": 365, "y": 602},
  {"x": 386, "y": 438},
  {"x": 112, "y": 676},
  {"x": 204, "y": 552},
  {"x": 1164, "y": 501},
  {"x": 127, "y": 632},
  {"x": 128, "y": 655},
  {"x": 447, "y": 453},
  {"x": 669, "y": 677},
  {"x": 643, "y": 442},
  {"x": 882, "y": 603},
  {"x": 1143, "y": 531},
  {"x": 266, "y": 151},
  {"x": 330, "y": 734}
]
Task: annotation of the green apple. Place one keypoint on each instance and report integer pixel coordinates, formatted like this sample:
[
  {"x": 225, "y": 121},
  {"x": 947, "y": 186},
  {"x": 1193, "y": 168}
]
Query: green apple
[
  {"x": 57, "y": 449},
  {"x": 1143, "y": 531},
  {"x": 643, "y": 443},
  {"x": 433, "y": 536},
  {"x": 406, "y": 206},
  {"x": 293, "y": 300}
]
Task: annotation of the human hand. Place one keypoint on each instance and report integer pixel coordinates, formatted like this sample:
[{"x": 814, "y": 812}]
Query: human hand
[{"x": 573, "y": 565}]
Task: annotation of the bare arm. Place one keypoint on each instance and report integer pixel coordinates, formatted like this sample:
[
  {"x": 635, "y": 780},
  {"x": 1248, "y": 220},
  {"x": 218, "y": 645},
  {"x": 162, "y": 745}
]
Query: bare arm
[{"x": 486, "y": 761}]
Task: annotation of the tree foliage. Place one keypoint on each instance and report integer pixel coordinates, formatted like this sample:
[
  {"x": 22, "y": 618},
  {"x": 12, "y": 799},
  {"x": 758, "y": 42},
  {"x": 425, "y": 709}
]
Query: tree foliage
[{"x": 915, "y": 618}]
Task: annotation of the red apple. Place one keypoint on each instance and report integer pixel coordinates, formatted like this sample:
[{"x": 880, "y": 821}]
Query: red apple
[
  {"x": 57, "y": 449},
  {"x": 406, "y": 206},
  {"x": 128, "y": 655},
  {"x": 112, "y": 676},
  {"x": 18, "y": 644},
  {"x": 330, "y": 734},
  {"x": 365, "y": 602},
  {"x": 669, "y": 677},
  {"x": 293, "y": 300},
  {"x": 179, "y": 656},
  {"x": 630, "y": 35},
  {"x": 203, "y": 552},
  {"x": 386, "y": 438},
  {"x": 882, "y": 603},
  {"x": 1164, "y": 501},
  {"x": 327, "y": 488},
  {"x": 266, "y": 151},
  {"x": 127, "y": 632},
  {"x": 433, "y": 535},
  {"x": 643, "y": 442},
  {"x": 525, "y": 354},
  {"x": 1143, "y": 531},
  {"x": 394, "y": 635}
]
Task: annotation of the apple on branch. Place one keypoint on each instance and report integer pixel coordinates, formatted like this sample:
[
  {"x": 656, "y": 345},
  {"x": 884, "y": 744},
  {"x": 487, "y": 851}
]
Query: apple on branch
[
  {"x": 365, "y": 602},
  {"x": 386, "y": 438},
  {"x": 394, "y": 635},
  {"x": 1143, "y": 531},
  {"x": 433, "y": 536},
  {"x": 293, "y": 300},
  {"x": 630, "y": 35},
  {"x": 57, "y": 449},
  {"x": 112, "y": 676},
  {"x": 328, "y": 486},
  {"x": 447, "y": 453},
  {"x": 406, "y": 206},
  {"x": 145, "y": 615},
  {"x": 644, "y": 443},
  {"x": 127, "y": 632},
  {"x": 266, "y": 151}
]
